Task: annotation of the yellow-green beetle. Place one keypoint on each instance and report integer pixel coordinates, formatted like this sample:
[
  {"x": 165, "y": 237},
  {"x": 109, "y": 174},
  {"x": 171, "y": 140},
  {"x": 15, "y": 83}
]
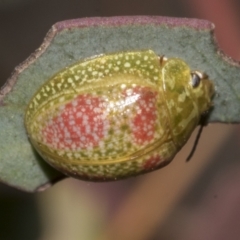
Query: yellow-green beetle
[{"x": 117, "y": 115}]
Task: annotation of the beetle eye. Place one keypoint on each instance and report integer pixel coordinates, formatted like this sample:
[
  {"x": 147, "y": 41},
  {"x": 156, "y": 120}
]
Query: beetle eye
[{"x": 196, "y": 79}]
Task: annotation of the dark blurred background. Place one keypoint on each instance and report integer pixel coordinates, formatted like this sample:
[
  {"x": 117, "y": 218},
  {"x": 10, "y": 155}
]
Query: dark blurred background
[{"x": 198, "y": 200}]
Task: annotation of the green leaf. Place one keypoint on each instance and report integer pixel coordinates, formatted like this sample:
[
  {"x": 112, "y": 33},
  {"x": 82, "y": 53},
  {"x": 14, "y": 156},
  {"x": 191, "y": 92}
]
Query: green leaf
[{"x": 70, "y": 41}]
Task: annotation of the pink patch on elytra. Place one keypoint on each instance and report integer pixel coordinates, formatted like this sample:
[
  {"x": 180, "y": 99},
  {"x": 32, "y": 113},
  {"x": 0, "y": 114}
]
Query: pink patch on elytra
[
  {"x": 79, "y": 124},
  {"x": 152, "y": 162},
  {"x": 144, "y": 122}
]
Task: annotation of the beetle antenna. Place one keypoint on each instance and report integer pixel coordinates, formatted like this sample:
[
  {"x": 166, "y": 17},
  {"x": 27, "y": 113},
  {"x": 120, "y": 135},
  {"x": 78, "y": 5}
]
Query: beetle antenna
[
  {"x": 202, "y": 124},
  {"x": 195, "y": 143}
]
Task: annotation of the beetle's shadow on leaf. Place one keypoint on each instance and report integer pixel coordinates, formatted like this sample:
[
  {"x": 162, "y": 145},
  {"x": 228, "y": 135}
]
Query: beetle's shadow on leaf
[{"x": 49, "y": 171}]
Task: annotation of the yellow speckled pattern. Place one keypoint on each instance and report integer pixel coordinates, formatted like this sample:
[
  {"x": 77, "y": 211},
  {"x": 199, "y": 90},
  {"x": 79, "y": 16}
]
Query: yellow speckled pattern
[{"x": 116, "y": 115}]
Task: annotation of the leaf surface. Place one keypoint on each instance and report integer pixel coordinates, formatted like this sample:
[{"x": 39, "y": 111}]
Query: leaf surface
[{"x": 73, "y": 40}]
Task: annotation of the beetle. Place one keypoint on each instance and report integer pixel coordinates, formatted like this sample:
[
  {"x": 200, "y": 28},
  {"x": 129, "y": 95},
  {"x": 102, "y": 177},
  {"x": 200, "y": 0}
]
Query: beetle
[{"x": 117, "y": 115}]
